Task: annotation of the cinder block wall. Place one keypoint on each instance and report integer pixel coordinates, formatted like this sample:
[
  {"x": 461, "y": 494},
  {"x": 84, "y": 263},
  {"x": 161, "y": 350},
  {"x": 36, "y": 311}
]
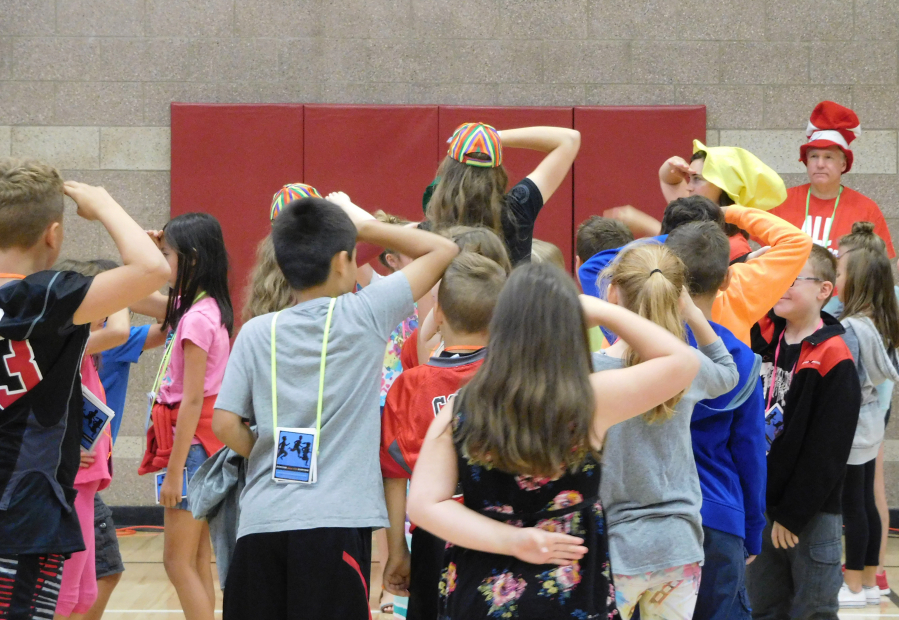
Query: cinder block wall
[{"x": 86, "y": 84}]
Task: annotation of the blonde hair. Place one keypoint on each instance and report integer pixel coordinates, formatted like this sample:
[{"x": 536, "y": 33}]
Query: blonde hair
[
  {"x": 387, "y": 218},
  {"x": 546, "y": 252},
  {"x": 30, "y": 200},
  {"x": 267, "y": 290},
  {"x": 480, "y": 240},
  {"x": 648, "y": 278}
]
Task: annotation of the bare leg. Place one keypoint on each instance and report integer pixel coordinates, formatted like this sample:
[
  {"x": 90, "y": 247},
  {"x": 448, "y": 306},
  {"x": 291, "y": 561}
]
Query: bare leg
[
  {"x": 880, "y": 498},
  {"x": 105, "y": 586},
  {"x": 182, "y": 542},
  {"x": 204, "y": 562}
]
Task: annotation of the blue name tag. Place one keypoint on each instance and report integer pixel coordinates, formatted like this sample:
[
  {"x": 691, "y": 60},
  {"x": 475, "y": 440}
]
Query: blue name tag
[
  {"x": 161, "y": 476},
  {"x": 294, "y": 457},
  {"x": 96, "y": 417},
  {"x": 774, "y": 423}
]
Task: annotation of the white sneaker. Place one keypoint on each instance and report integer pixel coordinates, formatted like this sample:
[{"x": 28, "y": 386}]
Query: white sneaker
[
  {"x": 848, "y": 598},
  {"x": 872, "y": 594}
]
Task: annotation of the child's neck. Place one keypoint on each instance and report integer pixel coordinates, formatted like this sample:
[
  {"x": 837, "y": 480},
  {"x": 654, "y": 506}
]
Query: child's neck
[
  {"x": 20, "y": 262},
  {"x": 800, "y": 328},
  {"x": 705, "y": 304},
  {"x": 462, "y": 343},
  {"x": 327, "y": 289}
]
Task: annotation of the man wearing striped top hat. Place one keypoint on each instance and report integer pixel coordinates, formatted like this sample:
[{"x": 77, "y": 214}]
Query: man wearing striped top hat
[{"x": 823, "y": 208}]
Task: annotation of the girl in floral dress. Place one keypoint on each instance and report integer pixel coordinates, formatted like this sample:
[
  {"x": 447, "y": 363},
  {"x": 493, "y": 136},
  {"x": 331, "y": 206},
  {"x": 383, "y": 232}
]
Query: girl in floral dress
[{"x": 523, "y": 439}]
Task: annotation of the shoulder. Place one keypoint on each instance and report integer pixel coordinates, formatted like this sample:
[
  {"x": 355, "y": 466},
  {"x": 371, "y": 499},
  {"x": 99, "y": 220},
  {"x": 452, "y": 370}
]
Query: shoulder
[
  {"x": 204, "y": 313},
  {"x": 525, "y": 191},
  {"x": 860, "y": 200},
  {"x": 824, "y": 357},
  {"x": 762, "y": 333}
]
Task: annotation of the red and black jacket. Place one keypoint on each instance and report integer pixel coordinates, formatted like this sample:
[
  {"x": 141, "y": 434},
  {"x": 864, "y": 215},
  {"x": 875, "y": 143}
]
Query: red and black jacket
[{"x": 807, "y": 461}]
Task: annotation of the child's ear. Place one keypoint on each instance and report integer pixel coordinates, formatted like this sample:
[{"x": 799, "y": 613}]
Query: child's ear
[
  {"x": 612, "y": 294},
  {"x": 577, "y": 262},
  {"x": 726, "y": 282},
  {"x": 439, "y": 317},
  {"x": 826, "y": 291},
  {"x": 53, "y": 236}
]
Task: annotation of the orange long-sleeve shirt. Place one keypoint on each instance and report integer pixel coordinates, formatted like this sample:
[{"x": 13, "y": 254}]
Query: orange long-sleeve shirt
[{"x": 757, "y": 285}]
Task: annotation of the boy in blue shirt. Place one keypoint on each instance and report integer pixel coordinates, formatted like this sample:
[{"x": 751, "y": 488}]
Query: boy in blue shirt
[{"x": 728, "y": 440}]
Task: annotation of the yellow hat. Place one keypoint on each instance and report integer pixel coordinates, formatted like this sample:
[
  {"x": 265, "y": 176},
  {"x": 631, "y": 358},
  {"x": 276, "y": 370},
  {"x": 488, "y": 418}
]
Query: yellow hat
[{"x": 742, "y": 176}]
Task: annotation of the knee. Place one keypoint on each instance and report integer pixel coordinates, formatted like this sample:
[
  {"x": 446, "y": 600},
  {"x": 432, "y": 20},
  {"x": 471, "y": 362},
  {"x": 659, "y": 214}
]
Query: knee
[
  {"x": 174, "y": 564},
  {"x": 111, "y": 581}
]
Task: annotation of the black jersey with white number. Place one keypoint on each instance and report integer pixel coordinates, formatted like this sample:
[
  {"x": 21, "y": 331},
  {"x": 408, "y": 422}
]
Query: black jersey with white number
[{"x": 40, "y": 407}]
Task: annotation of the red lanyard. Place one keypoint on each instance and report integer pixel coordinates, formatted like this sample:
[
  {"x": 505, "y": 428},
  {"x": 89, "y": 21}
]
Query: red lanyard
[{"x": 776, "y": 356}]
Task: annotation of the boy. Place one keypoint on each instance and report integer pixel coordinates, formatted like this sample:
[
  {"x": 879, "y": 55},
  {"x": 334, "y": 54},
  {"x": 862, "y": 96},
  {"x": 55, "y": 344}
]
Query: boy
[
  {"x": 813, "y": 396},
  {"x": 465, "y": 300},
  {"x": 45, "y": 319},
  {"x": 595, "y": 235},
  {"x": 728, "y": 440},
  {"x": 318, "y": 530}
]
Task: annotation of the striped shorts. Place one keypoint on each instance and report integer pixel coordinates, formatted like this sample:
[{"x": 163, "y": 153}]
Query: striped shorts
[{"x": 29, "y": 586}]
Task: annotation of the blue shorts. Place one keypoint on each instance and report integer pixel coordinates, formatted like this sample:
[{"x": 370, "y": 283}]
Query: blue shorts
[{"x": 196, "y": 456}]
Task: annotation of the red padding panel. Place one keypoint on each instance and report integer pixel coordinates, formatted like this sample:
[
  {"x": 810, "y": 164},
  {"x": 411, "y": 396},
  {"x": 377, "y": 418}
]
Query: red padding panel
[
  {"x": 622, "y": 149},
  {"x": 228, "y": 160},
  {"x": 554, "y": 223},
  {"x": 382, "y": 156}
]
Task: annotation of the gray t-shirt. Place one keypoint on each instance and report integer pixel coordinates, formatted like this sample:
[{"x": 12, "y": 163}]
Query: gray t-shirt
[
  {"x": 349, "y": 490},
  {"x": 650, "y": 488}
]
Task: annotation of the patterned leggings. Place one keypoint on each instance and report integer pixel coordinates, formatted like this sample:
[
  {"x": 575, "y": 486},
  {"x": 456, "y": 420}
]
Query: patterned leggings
[
  {"x": 668, "y": 594},
  {"x": 29, "y": 586}
]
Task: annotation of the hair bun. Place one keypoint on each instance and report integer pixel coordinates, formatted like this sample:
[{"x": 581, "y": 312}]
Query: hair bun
[{"x": 865, "y": 228}]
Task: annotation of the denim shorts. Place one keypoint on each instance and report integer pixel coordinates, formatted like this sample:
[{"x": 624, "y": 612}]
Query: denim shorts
[{"x": 196, "y": 456}]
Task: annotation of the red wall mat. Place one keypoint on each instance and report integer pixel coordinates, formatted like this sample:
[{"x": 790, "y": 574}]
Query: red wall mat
[
  {"x": 622, "y": 149},
  {"x": 554, "y": 223},
  {"x": 382, "y": 156},
  {"x": 228, "y": 160}
]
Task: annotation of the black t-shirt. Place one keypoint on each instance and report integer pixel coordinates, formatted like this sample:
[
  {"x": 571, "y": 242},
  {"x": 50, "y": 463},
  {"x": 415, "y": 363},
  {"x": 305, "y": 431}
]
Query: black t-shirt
[
  {"x": 40, "y": 411},
  {"x": 786, "y": 363},
  {"x": 525, "y": 202}
]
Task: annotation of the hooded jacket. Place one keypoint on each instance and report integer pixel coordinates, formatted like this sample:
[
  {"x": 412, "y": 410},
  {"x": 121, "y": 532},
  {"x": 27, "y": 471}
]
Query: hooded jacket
[{"x": 807, "y": 461}]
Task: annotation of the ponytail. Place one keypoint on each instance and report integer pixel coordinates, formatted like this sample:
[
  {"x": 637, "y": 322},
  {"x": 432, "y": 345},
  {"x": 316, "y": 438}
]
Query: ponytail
[{"x": 649, "y": 279}]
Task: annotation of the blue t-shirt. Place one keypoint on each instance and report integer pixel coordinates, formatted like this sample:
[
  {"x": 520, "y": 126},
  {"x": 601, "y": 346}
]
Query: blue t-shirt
[{"x": 115, "y": 368}]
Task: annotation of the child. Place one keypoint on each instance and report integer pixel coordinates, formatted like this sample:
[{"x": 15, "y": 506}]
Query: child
[
  {"x": 281, "y": 549},
  {"x": 472, "y": 185},
  {"x": 546, "y": 252},
  {"x": 200, "y": 316},
  {"x": 812, "y": 396},
  {"x": 651, "y": 490},
  {"x": 728, "y": 440},
  {"x": 871, "y": 319},
  {"x": 523, "y": 438},
  {"x": 466, "y": 297},
  {"x": 44, "y": 327}
]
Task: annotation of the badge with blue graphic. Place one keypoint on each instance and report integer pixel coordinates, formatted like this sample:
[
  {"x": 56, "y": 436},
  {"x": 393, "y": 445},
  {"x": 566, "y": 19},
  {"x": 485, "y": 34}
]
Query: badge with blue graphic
[
  {"x": 161, "y": 476},
  {"x": 295, "y": 458},
  {"x": 96, "y": 418}
]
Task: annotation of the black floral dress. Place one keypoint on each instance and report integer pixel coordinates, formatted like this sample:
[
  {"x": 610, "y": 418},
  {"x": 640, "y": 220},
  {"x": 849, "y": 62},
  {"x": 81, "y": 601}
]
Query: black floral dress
[{"x": 484, "y": 585}]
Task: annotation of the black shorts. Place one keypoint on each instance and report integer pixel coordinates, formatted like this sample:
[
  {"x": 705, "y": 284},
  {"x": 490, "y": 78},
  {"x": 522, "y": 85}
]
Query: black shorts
[
  {"x": 321, "y": 573},
  {"x": 109, "y": 558},
  {"x": 426, "y": 569}
]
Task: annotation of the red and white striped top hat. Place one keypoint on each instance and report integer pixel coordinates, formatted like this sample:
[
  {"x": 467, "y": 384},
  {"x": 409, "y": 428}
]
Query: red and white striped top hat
[{"x": 831, "y": 125}]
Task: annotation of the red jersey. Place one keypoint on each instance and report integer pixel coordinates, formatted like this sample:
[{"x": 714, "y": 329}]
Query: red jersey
[
  {"x": 823, "y": 226},
  {"x": 413, "y": 402},
  {"x": 409, "y": 352}
]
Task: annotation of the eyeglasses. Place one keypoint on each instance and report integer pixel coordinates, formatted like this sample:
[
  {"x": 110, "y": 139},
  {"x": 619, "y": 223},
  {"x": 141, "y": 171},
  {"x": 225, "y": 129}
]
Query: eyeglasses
[{"x": 805, "y": 278}]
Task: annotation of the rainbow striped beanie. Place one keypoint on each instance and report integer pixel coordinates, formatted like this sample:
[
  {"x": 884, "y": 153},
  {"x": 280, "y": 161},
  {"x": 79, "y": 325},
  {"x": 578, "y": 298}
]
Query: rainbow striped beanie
[
  {"x": 476, "y": 144},
  {"x": 289, "y": 193}
]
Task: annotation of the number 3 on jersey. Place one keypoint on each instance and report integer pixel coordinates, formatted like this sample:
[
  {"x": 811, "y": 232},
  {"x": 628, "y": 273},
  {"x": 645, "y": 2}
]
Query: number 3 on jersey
[{"x": 19, "y": 372}]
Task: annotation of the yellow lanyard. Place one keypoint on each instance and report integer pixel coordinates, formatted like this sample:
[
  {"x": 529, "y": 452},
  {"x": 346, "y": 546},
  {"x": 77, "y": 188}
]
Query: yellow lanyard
[
  {"x": 321, "y": 377},
  {"x": 167, "y": 355}
]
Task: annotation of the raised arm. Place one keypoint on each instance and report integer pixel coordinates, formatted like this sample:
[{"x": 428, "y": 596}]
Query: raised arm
[
  {"x": 154, "y": 305},
  {"x": 144, "y": 269},
  {"x": 673, "y": 177},
  {"x": 114, "y": 334},
  {"x": 561, "y": 146},
  {"x": 669, "y": 366}
]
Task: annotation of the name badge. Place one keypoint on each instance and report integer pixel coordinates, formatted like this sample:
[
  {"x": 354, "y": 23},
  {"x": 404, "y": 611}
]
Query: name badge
[
  {"x": 774, "y": 423},
  {"x": 95, "y": 420},
  {"x": 294, "y": 456},
  {"x": 160, "y": 476}
]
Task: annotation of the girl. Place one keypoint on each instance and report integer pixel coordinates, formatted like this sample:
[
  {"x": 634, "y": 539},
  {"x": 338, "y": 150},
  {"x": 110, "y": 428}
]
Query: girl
[
  {"x": 651, "y": 489},
  {"x": 546, "y": 252},
  {"x": 523, "y": 438},
  {"x": 871, "y": 317},
  {"x": 200, "y": 316},
  {"x": 472, "y": 186}
]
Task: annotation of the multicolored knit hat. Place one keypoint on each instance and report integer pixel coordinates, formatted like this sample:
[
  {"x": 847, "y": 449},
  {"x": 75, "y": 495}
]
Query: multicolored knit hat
[
  {"x": 289, "y": 193},
  {"x": 476, "y": 144}
]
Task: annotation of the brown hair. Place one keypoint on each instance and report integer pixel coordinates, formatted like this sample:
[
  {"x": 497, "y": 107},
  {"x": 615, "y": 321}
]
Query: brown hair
[
  {"x": 529, "y": 409},
  {"x": 387, "y": 218},
  {"x": 480, "y": 240},
  {"x": 597, "y": 234},
  {"x": 31, "y": 198},
  {"x": 649, "y": 278},
  {"x": 824, "y": 265},
  {"x": 546, "y": 252},
  {"x": 868, "y": 290},
  {"x": 469, "y": 195},
  {"x": 267, "y": 290},
  {"x": 468, "y": 292}
]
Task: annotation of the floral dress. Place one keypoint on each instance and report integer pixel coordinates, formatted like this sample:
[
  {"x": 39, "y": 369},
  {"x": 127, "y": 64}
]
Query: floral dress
[{"x": 484, "y": 585}]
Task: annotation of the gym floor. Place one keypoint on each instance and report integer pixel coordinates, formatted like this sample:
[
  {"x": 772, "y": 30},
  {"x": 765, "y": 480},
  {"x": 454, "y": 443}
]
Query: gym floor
[{"x": 145, "y": 591}]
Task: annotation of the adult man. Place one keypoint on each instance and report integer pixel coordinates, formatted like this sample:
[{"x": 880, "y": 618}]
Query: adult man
[{"x": 824, "y": 208}]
